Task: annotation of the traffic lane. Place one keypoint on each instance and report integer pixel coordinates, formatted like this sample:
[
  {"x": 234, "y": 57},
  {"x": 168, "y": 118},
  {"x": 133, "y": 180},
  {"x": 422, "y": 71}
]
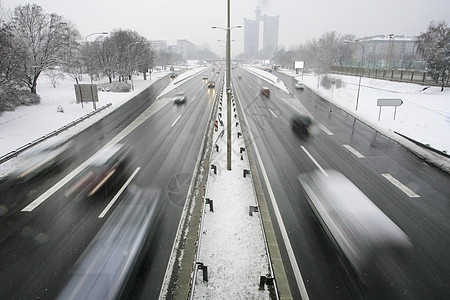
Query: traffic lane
[
  {"x": 382, "y": 156},
  {"x": 315, "y": 147},
  {"x": 283, "y": 166},
  {"x": 86, "y": 143},
  {"x": 168, "y": 164},
  {"x": 48, "y": 224}
]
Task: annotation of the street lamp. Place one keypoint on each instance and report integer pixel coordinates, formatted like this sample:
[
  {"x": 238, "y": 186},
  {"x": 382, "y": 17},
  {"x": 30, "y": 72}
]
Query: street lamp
[
  {"x": 95, "y": 34},
  {"x": 362, "y": 65},
  {"x": 228, "y": 79}
]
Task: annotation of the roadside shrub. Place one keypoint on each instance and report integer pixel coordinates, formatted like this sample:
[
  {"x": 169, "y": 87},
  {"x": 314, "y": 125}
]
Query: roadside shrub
[
  {"x": 10, "y": 99},
  {"x": 327, "y": 79},
  {"x": 115, "y": 87}
]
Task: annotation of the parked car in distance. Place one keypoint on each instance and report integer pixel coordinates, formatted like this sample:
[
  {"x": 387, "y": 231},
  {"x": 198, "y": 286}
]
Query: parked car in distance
[
  {"x": 239, "y": 76},
  {"x": 179, "y": 98},
  {"x": 211, "y": 84},
  {"x": 301, "y": 125},
  {"x": 299, "y": 85},
  {"x": 205, "y": 77},
  {"x": 265, "y": 91},
  {"x": 376, "y": 248}
]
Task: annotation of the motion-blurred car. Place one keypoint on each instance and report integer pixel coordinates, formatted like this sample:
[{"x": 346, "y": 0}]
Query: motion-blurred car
[
  {"x": 375, "y": 247},
  {"x": 205, "y": 77},
  {"x": 179, "y": 98},
  {"x": 299, "y": 85},
  {"x": 173, "y": 75},
  {"x": 108, "y": 267},
  {"x": 41, "y": 162},
  {"x": 211, "y": 84},
  {"x": 106, "y": 166},
  {"x": 265, "y": 91},
  {"x": 239, "y": 76},
  {"x": 301, "y": 125}
]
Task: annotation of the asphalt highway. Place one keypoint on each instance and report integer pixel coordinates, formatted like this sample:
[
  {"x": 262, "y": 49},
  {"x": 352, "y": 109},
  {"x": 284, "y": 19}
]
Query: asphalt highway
[{"x": 370, "y": 161}]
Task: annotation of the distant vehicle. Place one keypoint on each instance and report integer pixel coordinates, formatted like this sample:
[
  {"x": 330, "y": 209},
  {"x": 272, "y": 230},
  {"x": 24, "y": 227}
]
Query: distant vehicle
[
  {"x": 205, "y": 77},
  {"x": 179, "y": 98},
  {"x": 239, "y": 76},
  {"x": 299, "y": 85},
  {"x": 171, "y": 69},
  {"x": 213, "y": 70},
  {"x": 375, "y": 247},
  {"x": 173, "y": 75},
  {"x": 301, "y": 124},
  {"x": 265, "y": 91},
  {"x": 104, "y": 167},
  {"x": 108, "y": 267},
  {"x": 41, "y": 162},
  {"x": 211, "y": 84},
  {"x": 217, "y": 72}
]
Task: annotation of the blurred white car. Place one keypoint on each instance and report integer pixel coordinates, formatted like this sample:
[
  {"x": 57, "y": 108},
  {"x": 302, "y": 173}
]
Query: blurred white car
[
  {"x": 299, "y": 85},
  {"x": 374, "y": 245},
  {"x": 179, "y": 98}
]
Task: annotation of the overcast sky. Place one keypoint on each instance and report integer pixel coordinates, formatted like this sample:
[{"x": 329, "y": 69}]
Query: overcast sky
[{"x": 300, "y": 21}]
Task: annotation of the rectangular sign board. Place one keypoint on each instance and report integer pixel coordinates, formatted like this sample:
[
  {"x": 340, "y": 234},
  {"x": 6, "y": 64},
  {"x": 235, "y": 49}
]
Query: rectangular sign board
[
  {"x": 389, "y": 102},
  {"x": 86, "y": 92},
  {"x": 299, "y": 64}
]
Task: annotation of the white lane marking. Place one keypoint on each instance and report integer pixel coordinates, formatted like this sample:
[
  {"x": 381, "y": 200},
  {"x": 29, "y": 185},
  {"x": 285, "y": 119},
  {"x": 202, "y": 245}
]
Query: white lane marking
[
  {"x": 354, "y": 151},
  {"x": 321, "y": 126},
  {"x": 175, "y": 122},
  {"x": 314, "y": 161},
  {"x": 272, "y": 113},
  {"x": 287, "y": 243},
  {"x": 400, "y": 185},
  {"x": 154, "y": 108},
  {"x": 193, "y": 99},
  {"x": 257, "y": 95},
  {"x": 111, "y": 203}
]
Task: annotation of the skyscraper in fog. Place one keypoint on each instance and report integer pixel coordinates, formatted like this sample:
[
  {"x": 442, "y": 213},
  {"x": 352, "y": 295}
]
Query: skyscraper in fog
[{"x": 266, "y": 25}]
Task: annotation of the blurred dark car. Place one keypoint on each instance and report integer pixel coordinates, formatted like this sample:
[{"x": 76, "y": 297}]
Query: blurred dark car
[
  {"x": 173, "y": 75},
  {"x": 211, "y": 84},
  {"x": 179, "y": 98},
  {"x": 108, "y": 267},
  {"x": 108, "y": 165},
  {"x": 376, "y": 248},
  {"x": 265, "y": 91},
  {"x": 41, "y": 162},
  {"x": 239, "y": 76},
  {"x": 301, "y": 125},
  {"x": 205, "y": 77}
]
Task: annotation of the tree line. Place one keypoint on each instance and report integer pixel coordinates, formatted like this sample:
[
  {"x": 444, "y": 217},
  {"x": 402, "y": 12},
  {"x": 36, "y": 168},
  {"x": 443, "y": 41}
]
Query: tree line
[
  {"x": 33, "y": 41},
  {"x": 433, "y": 46}
]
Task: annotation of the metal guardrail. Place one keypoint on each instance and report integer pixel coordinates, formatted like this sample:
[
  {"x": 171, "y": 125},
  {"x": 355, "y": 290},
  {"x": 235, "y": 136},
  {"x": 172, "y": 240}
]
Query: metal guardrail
[{"x": 19, "y": 150}]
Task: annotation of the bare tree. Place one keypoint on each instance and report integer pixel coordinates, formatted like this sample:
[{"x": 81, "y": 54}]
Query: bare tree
[
  {"x": 434, "y": 46},
  {"x": 45, "y": 38}
]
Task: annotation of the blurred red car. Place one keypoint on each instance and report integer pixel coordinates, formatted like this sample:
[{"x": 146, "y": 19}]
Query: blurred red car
[
  {"x": 265, "y": 92},
  {"x": 106, "y": 165}
]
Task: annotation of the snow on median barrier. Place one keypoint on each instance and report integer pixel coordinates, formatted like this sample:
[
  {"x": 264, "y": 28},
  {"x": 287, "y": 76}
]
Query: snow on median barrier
[{"x": 231, "y": 259}]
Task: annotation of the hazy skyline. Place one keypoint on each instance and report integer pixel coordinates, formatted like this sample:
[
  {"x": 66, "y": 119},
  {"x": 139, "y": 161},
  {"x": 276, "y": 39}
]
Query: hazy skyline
[{"x": 299, "y": 21}]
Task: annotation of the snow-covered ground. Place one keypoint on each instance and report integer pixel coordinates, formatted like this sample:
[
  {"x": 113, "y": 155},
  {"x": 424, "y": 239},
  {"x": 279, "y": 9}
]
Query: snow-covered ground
[
  {"x": 424, "y": 115},
  {"x": 231, "y": 242}
]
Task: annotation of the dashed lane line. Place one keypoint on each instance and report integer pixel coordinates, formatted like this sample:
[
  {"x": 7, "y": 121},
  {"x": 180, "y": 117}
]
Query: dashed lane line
[
  {"x": 401, "y": 186},
  {"x": 354, "y": 151}
]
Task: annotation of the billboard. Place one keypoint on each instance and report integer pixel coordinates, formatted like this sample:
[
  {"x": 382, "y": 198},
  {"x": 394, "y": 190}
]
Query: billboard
[{"x": 299, "y": 64}]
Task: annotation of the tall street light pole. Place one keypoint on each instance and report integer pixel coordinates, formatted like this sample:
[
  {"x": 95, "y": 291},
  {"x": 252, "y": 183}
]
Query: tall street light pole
[
  {"x": 228, "y": 84},
  {"x": 360, "y": 72}
]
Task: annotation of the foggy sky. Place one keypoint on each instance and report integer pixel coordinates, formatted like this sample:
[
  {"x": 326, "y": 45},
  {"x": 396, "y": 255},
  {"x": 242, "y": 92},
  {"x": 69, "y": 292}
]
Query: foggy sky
[{"x": 300, "y": 21}]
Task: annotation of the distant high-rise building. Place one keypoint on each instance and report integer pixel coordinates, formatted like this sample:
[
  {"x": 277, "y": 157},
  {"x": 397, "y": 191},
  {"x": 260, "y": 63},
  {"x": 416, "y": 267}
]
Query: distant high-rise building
[
  {"x": 266, "y": 25},
  {"x": 186, "y": 48},
  {"x": 158, "y": 45},
  {"x": 251, "y": 36}
]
